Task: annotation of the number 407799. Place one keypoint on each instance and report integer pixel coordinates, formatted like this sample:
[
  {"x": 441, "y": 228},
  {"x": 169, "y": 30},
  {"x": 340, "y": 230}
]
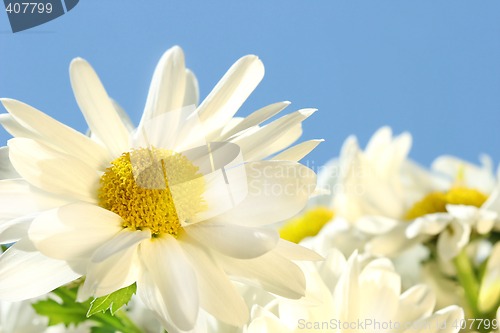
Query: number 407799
[{"x": 29, "y": 8}]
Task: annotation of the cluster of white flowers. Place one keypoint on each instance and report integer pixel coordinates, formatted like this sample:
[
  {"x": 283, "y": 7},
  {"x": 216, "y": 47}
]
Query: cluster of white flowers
[{"x": 199, "y": 221}]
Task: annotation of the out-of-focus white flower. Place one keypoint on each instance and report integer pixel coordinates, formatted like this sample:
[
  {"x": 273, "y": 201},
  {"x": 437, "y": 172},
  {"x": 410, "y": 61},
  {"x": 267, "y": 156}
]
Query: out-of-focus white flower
[
  {"x": 471, "y": 204},
  {"x": 372, "y": 189},
  {"x": 370, "y": 192},
  {"x": 177, "y": 207},
  {"x": 357, "y": 295},
  {"x": 489, "y": 292},
  {"x": 370, "y": 182}
]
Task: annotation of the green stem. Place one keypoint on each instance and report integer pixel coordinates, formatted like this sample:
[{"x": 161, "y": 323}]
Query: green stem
[
  {"x": 468, "y": 280},
  {"x": 129, "y": 324}
]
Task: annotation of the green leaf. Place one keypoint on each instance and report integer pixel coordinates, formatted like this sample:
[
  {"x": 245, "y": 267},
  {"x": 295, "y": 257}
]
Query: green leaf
[
  {"x": 60, "y": 312},
  {"x": 102, "y": 330},
  {"x": 113, "y": 301}
]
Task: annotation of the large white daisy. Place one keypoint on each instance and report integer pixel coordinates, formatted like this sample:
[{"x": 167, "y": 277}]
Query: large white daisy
[{"x": 179, "y": 206}]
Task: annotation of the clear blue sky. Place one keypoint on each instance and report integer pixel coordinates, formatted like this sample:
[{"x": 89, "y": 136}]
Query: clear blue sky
[{"x": 431, "y": 67}]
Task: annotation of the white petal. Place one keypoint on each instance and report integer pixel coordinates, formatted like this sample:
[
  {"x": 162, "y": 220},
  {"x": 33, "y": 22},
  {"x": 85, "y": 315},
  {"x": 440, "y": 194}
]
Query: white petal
[
  {"x": 7, "y": 170},
  {"x": 267, "y": 322},
  {"x": 15, "y": 229},
  {"x": 332, "y": 268},
  {"x": 73, "y": 231},
  {"x": 57, "y": 135},
  {"x": 376, "y": 225},
  {"x": 118, "y": 271},
  {"x": 379, "y": 287},
  {"x": 297, "y": 252},
  {"x": 270, "y": 271},
  {"x": 463, "y": 212},
  {"x": 123, "y": 240},
  {"x": 391, "y": 243},
  {"x": 276, "y": 191},
  {"x": 489, "y": 293},
  {"x": 14, "y": 128},
  {"x": 172, "y": 273},
  {"x": 347, "y": 295},
  {"x": 123, "y": 116},
  {"x": 267, "y": 139},
  {"x": 446, "y": 320},
  {"x": 235, "y": 241},
  {"x": 474, "y": 176},
  {"x": 97, "y": 108},
  {"x": 274, "y": 145},
  {"x": 230, "y": 93},
  {"x": 26, "y": 273},
  {"x": 18, "y": 198},
  {"x": 297, "y": 152},
  {"x": 452, "y": 240},
  {"x": 431, "y": 224},
  {"x": 379, "y": 140},
  {"x": 217, "y": 293},
  {"x": 256, "y": 118},
  {"x": 486, "y": 221},
  {"x": 53, "y": 172},
  {"x": 493, "y": 202},
  {"x": 192, "y": 93},
  {"x": 168, "y": 85},
  {"x": 415, "y": 303}
]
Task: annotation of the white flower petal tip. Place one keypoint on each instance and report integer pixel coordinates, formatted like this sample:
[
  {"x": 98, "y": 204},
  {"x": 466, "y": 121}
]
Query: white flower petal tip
[
  {"x": 297, "y": 252},
  {"x": 7, "y": 102},
  {"x": 97, "y": 107},
  {"x": 307, "y": 112},
  {"x": 230, "y": 93}
]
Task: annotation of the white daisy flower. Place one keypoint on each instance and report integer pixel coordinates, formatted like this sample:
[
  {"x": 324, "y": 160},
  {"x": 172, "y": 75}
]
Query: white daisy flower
[
  {"x": 180, "y": 207},
  {"x": 371, "y": 189},
  {"x": 369, "y": 192},
  {"x": 470, "y": 206},
  {"x": 356, "y": 295},
  {"x": 374, "y": 181}
]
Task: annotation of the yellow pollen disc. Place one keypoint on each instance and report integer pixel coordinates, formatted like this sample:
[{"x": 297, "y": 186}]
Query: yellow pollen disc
[
  {"x": 436, "y": 202},
  {"x": 307, "y": 225},
  {"x": 153, "y": 189}
]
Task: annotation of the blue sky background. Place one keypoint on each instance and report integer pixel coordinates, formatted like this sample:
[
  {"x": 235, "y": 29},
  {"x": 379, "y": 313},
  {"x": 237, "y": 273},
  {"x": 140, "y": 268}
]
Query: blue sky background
[{"x": 431, "y": 67}]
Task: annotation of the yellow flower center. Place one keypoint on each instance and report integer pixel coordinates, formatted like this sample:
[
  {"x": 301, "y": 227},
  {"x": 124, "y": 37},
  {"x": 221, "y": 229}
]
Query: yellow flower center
[
  {"x": 307, "y": 225},
  {"x": 153, "y": 189},
  {"x": 436, "y": 202}
]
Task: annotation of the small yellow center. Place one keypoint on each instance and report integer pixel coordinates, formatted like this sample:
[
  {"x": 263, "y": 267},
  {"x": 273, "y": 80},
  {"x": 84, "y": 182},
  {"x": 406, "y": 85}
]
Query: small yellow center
[
  {"x": 153, "y": 189},
  {"x": 436, "y": 202},
  {"x": 307, "y": 225}
]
